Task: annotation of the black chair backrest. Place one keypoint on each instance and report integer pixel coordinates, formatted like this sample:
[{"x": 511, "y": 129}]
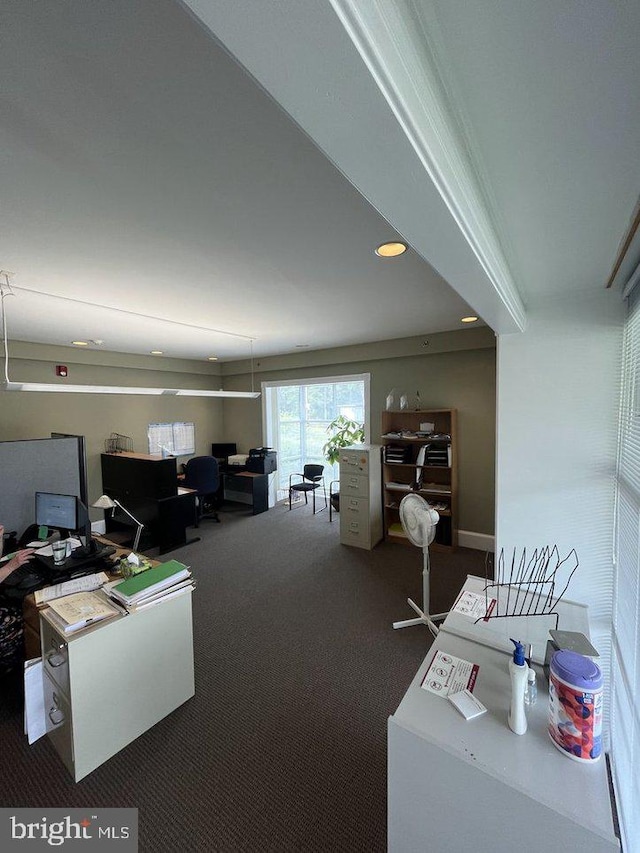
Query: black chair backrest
[
  {"x": 312, "y": 472},
  {"x": 201, "y": 473}
]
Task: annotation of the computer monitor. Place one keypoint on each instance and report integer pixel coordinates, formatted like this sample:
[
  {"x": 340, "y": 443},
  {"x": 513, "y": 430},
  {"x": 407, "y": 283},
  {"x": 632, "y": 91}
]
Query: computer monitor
[
  {"x": 57, "y": 510},
  {"x": 68, "y": 512},
  {"x": 222, "y": 450}
]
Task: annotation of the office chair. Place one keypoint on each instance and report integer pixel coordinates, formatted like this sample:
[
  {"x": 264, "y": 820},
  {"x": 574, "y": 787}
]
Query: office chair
[
  {"x": 201, "y": 474},
  {"x": 334, "y": 498},
  {"x": 311, "y": 480}
]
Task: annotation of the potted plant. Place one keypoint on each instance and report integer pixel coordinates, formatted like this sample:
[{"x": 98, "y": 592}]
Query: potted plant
[{"x": 343, "y": 433}]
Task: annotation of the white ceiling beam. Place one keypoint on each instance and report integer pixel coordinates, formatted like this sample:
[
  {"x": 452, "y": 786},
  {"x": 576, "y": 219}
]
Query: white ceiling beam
[{"x": 361, "y": 83}]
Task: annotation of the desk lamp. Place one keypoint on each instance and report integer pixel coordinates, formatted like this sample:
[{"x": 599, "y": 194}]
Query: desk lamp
[{"x": 105, "y": 502}]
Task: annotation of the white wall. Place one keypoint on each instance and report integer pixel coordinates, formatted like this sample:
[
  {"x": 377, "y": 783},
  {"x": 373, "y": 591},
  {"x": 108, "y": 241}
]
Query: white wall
[{"x": 558, "y": 388}]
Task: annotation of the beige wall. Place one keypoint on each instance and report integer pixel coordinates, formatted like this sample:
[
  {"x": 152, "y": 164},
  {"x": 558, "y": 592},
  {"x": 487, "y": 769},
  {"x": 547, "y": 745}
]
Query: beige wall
[
  {"x": 450, "y": 370},
  {"x": 35, "y": 415},
  {"x": 455, "y": 370}
]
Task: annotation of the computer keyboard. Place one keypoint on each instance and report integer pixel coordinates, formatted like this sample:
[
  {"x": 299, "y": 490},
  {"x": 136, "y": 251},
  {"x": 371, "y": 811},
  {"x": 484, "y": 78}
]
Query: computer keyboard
[
  {"x": 41, "y": 571},
  {"x": 22, "y": 581}
]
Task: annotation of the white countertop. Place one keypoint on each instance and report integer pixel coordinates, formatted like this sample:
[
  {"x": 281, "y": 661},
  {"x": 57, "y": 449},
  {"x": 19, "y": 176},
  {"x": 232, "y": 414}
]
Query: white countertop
[{"x": 529, "y": 763}]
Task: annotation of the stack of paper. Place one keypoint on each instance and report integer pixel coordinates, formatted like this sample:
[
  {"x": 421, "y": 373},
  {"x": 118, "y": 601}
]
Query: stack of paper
[
  {"x": 152, "y": 586},
  {"x": 87, "y": 583},
  {"x": 79, "y": 610}
]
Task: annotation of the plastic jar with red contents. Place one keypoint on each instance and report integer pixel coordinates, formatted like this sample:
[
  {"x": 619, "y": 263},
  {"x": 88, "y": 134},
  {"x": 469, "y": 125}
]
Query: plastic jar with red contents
[{"x": 575, "y": 705}]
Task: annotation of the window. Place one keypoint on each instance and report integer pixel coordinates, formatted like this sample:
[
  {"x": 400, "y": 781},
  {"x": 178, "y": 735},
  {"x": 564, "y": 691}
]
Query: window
[
  {"x": 625, "y": 712},
  {"x": 297, "y": 414}
]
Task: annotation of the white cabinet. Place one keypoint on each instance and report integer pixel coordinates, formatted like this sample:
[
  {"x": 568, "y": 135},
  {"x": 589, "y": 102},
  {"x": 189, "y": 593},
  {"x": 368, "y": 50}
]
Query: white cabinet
[
  {"x": 458, "y": 785},
  {"x": 107, "y": 684},
  {"x": 361, "y": 496}
]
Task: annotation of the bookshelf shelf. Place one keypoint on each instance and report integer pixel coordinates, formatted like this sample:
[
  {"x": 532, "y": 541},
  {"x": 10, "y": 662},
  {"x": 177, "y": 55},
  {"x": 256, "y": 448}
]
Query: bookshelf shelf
[{"x": 415, "y": 460}]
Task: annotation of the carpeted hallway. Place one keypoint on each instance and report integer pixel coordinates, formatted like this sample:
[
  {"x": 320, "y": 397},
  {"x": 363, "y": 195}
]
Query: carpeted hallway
[{"x": 283, "y": 747}]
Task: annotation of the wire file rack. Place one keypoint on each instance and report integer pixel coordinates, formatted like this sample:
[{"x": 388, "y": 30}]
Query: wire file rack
[
  {"x": 527, "y": 585},
  {"x": 117, "y": 443}
]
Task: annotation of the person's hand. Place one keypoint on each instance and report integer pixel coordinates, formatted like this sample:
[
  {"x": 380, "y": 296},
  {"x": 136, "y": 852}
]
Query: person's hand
[{"x": 18, "y": 560}]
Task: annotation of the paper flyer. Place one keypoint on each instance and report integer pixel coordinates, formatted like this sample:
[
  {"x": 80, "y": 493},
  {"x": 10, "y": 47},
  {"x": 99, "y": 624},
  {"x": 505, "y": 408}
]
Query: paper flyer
[
  {"x": 448, "y": 674},
  {"x": 473, "y": 605}
]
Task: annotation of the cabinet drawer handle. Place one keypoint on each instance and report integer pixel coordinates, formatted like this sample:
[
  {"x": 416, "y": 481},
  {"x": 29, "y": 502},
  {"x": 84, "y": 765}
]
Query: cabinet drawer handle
[
  {"x": 56, "y": 654},
  {"x": 56, "y": 715}
]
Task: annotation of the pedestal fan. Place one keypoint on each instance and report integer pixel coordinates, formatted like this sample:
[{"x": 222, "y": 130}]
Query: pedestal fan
[{"x": 419, "y": 521}]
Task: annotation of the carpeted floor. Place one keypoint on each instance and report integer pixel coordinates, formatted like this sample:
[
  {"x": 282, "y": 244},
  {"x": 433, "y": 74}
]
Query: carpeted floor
[{"x": 283, "y": 747}]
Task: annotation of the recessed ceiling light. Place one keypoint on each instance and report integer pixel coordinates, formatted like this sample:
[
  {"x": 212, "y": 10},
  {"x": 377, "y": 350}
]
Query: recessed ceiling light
[
  {"x": 469, "y": 320},
  {"x": 80, "y": 343},
  {"x": 212, "y": 358},
  {"x": 391, "y": 250},
  {"x": 156, "y": 352}
]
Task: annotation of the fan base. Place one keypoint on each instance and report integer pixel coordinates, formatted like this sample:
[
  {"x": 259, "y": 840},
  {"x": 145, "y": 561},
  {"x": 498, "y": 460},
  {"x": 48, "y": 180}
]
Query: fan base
[{"x": 423, "y": 619}]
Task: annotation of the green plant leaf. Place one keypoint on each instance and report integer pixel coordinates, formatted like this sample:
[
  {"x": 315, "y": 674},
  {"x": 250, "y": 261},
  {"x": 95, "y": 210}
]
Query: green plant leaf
[{"x": 343, "y": 433}]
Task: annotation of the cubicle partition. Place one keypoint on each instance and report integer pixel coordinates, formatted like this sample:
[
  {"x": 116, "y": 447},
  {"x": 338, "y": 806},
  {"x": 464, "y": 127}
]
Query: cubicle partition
[{"x": 37, "y": 465}]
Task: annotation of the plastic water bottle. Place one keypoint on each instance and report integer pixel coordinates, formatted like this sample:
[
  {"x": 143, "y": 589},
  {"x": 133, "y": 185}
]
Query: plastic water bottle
[{"x": 531, "y": 693}]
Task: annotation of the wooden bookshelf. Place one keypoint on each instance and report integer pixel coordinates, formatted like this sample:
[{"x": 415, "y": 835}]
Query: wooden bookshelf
[{"x": 410, "y": 456}]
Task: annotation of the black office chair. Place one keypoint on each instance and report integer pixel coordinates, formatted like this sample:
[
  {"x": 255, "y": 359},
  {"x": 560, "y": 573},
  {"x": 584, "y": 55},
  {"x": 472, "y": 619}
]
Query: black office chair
[
  {"x": 201, "y": 474},
  {"x": 312, "y": 479},
  {"x": 334, "y": 498}
]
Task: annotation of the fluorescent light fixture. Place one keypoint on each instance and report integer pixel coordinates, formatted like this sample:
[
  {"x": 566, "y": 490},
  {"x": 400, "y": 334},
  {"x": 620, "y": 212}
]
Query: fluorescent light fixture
[
  {"x": 212, "y": 358},
  {"x": 120, "y": 389},
  {"x": 391, "y": 250},
  {"x": 469, "y": 320},
  {"x": 156, "y": 352},
  {"x": 8, "y": 385}
]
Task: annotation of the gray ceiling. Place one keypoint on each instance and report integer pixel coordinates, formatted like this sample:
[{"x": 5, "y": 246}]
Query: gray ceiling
[{"x": 146, "y": 173}]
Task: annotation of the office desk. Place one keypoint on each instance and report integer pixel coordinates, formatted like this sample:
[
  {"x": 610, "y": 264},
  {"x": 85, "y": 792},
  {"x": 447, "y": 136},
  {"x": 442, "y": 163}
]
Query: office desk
[
  {"x": 31, "y": 612},
  {"x": 247, "y": 488},
  {"x": 109, "y": 683},
  {"x": 147, "y": 486},
  {"x": 458, "y": 785}
]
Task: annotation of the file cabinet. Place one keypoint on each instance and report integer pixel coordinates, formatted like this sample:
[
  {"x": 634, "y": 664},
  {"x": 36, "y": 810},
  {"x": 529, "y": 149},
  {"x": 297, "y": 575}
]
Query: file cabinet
[
  {"x": 361, "y": 496},
  {"x": 107, "y": 684}
]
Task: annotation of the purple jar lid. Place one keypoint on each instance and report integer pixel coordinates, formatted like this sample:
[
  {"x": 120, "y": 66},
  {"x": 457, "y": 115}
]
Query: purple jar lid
[{"x": 576, "y": 669}]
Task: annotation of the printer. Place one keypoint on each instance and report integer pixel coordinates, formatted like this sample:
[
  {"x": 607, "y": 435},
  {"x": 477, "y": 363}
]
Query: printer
[{"x": 261, "y": 460}]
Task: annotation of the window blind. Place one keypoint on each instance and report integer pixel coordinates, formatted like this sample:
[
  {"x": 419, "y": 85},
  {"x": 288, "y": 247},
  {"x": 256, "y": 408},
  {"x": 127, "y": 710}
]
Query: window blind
[{"x": 625, "y": 710}]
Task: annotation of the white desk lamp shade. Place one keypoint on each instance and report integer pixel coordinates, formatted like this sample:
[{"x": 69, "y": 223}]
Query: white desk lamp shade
[{"x": 105, "y": 502}]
